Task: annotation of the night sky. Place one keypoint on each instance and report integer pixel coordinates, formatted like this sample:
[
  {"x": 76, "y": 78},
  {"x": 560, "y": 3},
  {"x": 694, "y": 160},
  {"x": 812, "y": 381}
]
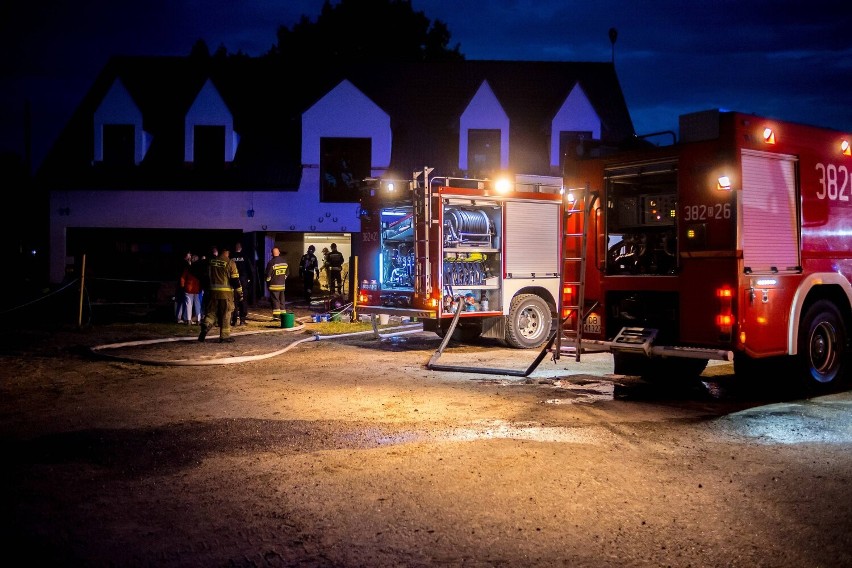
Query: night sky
[{"x": 785, "y": 59}]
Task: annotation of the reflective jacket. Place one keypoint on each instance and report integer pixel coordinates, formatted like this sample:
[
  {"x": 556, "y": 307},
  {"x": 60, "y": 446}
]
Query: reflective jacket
[
  {"x": 224, "y": 278},
  {"x": 276, "y": 273}
]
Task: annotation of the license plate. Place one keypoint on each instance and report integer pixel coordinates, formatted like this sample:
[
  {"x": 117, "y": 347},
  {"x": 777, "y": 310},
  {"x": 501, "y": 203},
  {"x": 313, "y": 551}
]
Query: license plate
[{"x": 592, "y": 323}]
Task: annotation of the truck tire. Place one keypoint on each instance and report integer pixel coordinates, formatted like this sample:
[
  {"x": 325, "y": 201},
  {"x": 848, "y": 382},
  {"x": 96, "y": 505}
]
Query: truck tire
[
  {"x": 529, "y": 322},
  {"x": 823, "y": 351}
]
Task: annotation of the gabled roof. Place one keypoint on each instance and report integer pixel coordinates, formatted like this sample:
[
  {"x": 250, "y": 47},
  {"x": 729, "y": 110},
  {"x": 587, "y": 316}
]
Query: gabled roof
[{"x": 267, "y": 98}]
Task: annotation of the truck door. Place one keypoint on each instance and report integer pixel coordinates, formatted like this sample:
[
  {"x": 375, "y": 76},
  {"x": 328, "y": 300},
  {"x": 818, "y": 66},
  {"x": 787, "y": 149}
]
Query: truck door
[
  {"x": 770, "y": 217},
  {"x": 770, "y": 240}
]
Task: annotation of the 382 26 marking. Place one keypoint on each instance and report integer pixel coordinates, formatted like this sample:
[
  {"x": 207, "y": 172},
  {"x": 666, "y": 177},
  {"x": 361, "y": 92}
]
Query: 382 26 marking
[{"x": 707, "y": 212}]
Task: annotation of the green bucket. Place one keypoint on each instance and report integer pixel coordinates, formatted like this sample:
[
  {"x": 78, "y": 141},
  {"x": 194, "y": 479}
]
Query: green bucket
[{"x": 288, "y": 319}]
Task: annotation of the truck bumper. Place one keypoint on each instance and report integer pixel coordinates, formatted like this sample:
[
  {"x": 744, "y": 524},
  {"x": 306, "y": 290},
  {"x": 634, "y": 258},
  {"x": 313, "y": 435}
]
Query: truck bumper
[{"x": 400, "y": 312}]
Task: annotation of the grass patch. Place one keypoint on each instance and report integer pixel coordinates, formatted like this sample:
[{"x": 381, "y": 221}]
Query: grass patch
[{"x": 338, "y": 327}]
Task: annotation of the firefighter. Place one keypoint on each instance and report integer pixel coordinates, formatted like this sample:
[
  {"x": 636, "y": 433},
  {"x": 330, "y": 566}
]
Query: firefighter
[
  {"x": 225, "y": 285},
  {"x": 309, "y": 271},
  {"x": 276, "y": 279},
  {"x": 335, "y": 270}
]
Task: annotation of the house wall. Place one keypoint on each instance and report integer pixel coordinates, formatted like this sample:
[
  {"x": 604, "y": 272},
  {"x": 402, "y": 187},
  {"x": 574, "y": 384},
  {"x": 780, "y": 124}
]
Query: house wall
[
  {"x": 274, "y": 211},
  {"x": 343, "y": 112}
]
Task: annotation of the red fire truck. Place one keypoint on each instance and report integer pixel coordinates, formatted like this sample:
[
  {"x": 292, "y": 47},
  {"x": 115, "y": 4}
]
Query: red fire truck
[
  {"x": 487, "y": 250},
  {"x": 734, "y": 242}
]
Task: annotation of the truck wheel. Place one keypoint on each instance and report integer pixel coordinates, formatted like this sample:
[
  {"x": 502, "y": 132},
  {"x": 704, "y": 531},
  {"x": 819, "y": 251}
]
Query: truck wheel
[
  {"x": 529, "y": 322},
  {"x": 823, "y": 353}
]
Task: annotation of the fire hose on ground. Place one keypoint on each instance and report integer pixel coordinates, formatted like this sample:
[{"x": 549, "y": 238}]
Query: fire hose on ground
[{"x": 101, "y": 350}]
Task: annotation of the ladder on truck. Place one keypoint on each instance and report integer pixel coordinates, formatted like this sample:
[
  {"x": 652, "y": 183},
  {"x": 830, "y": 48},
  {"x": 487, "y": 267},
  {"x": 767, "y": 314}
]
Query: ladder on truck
[
  {"x": 422, "y": 222},
  {"x": 572, "y": 311}
]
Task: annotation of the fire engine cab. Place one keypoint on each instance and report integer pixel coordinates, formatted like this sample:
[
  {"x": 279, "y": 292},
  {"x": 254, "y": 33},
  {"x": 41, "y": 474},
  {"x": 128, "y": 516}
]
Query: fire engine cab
[
  {"x": 487, "y": 250},
  {"x": 735, "y": 242}
]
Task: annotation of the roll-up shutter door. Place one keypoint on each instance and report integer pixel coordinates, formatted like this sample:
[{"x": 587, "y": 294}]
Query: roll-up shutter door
[
  {"x": 770, "y": 219},
  {"x": 531, "y": 244}
]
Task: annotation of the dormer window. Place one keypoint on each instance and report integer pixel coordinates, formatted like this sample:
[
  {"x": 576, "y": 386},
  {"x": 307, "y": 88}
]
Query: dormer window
[
  {"x": 119, "y": 144},
  {"x": 483, "y": 152},
  {"x": 573, "y": 143},
  {"x": 209, "y": 147},
  {"x": 118, "y": 135},
  {"x": 575, "y": 127},
  {"x": 210, "y": 141},
  {"x": 483, "y": 135},
  {"x": 346, "y": 137}
]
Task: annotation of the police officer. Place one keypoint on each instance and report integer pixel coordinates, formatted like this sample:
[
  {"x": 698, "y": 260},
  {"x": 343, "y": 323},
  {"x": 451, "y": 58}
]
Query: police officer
[
  {"x": 308, "y": 271},
  {"x": 225, "y": 285},
  {"x": 245, "y": 269},
  {"x": 276, "y": 279},
  {"x": 335, "y": 270}
]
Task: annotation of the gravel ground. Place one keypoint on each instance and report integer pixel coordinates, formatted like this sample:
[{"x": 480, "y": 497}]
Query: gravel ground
[{"x": 288, "y": 448}]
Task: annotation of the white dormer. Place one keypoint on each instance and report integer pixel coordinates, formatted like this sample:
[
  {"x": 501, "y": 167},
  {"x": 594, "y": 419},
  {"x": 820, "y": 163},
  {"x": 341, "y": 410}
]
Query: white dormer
[
  {"x": 482, "y": 126},
  {"x": 576, "y": 119},
  {"x": 207, "y": 119},
  {"x": 119, "y": 138},
  {"x": 346, "y": 112},
  {"x": 346, "y": 137}
]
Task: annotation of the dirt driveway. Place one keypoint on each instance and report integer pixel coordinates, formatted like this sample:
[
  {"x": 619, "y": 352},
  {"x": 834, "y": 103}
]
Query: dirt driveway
[{"x": 349, "y": 452}]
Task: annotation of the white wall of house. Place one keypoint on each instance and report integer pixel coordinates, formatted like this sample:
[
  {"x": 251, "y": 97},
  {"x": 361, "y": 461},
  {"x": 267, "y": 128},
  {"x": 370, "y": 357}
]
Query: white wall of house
[
  {"x": 345, "y": 112},
  {"x": 274, "y": 211}
]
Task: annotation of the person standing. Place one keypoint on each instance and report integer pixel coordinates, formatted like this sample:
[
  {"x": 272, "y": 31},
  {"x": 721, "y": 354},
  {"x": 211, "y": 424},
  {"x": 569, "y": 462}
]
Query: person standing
[
  {"x": 324, "y": 278},
  {"x": 224, "y": 285},
  {"x": 181, "y": 314},
  {"x": 202, "y": 272},
  {"x": 309, "y": 271},
  {"x": 244, "y": 268},
  {"x": 335, "y": 270},
  {"x": 191, "y": 288},
  {"x": 276, "y": 280}
]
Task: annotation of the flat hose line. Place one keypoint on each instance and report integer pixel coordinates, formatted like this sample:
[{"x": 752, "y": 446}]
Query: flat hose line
[{"x": 99, "y": 350}]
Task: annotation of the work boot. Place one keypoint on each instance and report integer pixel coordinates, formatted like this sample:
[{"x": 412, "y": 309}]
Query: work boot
[
  {"x": 226, "y": 340},
  {"x": 203, "y": 333},
  {"x": 243, "y": 322}
]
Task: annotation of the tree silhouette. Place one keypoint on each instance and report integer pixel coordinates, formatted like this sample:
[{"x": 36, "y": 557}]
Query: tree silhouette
[{"x": 366, "y": 30}]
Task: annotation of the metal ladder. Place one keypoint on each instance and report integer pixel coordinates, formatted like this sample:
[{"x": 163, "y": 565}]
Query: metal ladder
[{"x": 573, "y": 312}]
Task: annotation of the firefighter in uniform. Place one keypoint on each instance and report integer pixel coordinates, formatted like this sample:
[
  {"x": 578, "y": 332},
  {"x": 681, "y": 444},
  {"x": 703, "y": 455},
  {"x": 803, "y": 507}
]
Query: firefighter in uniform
[
  {"x": 225, "y": 285},
  {"x": 309, "y": 271},
  {"x": 276, "y": 278},
  {"x": 335, "y": 270}
]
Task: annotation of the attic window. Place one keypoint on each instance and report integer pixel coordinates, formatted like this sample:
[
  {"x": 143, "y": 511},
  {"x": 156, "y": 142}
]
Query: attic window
[
  {"x": 209, "y": 147},
  {"x": 483, "y": 152},
  {"x": 574, "y": 143},
  {"x": 343, "y": 163},
  {"x": 119, "y": 144}
]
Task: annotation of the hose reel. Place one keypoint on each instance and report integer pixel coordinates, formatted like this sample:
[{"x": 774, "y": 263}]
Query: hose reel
[{"x": 467, "y": 227}]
